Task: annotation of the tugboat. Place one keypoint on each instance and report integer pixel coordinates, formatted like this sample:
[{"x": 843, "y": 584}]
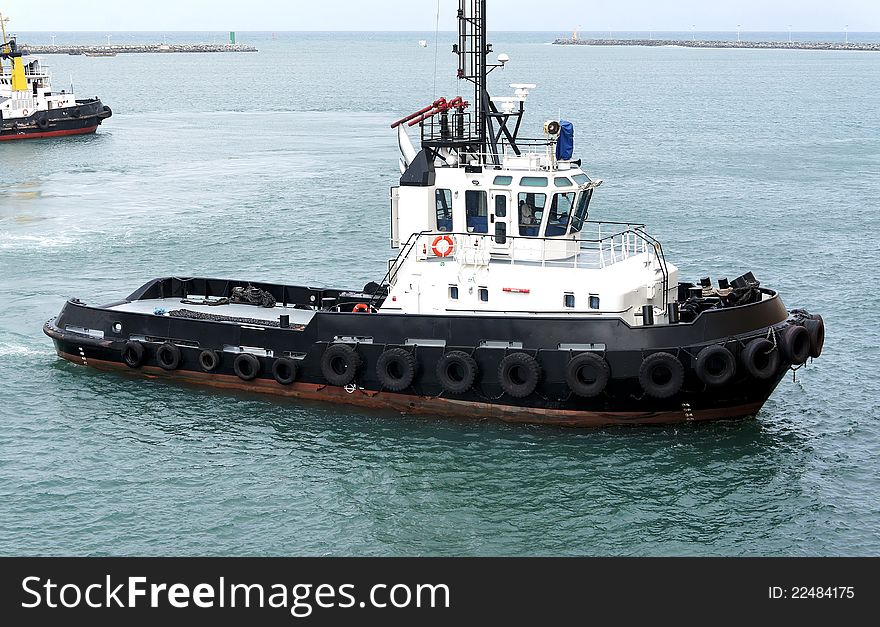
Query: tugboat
[
  {"x": 29, "y": 109},
  {"x": 505, "y": 300}
]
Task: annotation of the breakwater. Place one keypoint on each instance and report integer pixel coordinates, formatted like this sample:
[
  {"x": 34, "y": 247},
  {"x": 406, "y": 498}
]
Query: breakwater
[
  {"x": 689, "y": 43},
  {"x": 135, "y": 49}
]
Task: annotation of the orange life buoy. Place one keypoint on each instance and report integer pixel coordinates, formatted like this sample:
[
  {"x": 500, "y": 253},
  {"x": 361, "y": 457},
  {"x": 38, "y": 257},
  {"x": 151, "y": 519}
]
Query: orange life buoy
[
  {"x": 361, "y": 308},
  {"x": 450, "y": 246}
]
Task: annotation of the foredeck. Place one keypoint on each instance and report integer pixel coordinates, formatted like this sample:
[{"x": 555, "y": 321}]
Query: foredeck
[{"x": 235, "y": 311}]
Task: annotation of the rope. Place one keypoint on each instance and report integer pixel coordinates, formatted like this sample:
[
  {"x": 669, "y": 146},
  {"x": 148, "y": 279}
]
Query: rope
[{"x": 198, "y": 315}]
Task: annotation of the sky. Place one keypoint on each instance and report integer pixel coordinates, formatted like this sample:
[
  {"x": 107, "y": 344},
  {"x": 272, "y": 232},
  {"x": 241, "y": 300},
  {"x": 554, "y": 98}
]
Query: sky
[{"x": 420, "y": 15}]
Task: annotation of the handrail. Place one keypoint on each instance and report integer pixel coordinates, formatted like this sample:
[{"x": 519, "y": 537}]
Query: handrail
[
  {"x": 394, "y": 267},
  {"x": 627, "y": 247}
]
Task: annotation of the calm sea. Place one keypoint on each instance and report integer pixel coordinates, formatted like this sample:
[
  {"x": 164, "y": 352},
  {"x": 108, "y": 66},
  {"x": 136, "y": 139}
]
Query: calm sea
[{"x": 276, "y": 166}]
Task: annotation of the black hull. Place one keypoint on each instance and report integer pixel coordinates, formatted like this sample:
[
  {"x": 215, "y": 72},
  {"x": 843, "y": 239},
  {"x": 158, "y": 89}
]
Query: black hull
[
  {"x": 624, "y": 347},
  {"x": 84, "y": 118}
]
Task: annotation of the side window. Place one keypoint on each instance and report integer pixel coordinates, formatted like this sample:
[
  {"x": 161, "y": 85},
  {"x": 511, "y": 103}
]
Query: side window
[
  {"x": 560, "y": 214},
  {"x": 443, "y": 201},
  {"x": 531, "y": 211},
  {"x": 476, "y": 208},
  {"x": 500, "y": 206},
  {"x": 582, "y": 211}
]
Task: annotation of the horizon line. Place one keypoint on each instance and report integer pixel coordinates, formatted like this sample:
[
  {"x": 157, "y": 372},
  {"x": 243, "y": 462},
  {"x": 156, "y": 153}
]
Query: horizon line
[{"x": 360, "y": 30}]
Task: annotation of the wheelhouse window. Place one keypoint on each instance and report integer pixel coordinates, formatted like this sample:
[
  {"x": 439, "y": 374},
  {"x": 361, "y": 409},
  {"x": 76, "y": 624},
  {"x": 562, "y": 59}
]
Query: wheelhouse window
[
  {"x": 581, "y": 179},
  {"x": 560, "y": 214},
  {"x": 582, "y": 211},
  {"x": 476, "y": 208},
  {"x": 500, "y": 206},
  {"x": 531, "y": 212},
  {"x": 503, "y": 180},
  {"x": 443, "y": 200},
  {"x": 562, "y": 181},
  {"x": 533, "y": 181}
]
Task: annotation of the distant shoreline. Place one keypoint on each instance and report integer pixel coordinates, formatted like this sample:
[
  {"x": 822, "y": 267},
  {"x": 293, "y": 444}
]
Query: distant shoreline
[
  {"x": 689, "y": 43},
  {"x": 135, "y": 49}
]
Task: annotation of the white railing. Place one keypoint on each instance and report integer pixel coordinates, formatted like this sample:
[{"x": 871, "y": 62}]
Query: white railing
[{"x": 613, "y": 243}]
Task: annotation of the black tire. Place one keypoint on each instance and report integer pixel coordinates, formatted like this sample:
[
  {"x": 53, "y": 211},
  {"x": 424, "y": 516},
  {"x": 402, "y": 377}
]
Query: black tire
[
  {"x": 661, "y": 375},
  {"x": 816, "y": 328},
  {"x": 760, "y": 359},
  {"x": 396, "y": 369},
  {"x": 795, "y": 345},
  {"x": 285, "y": 370},
  {"x": 457, "y": 372},
  {"x": 587, "y": 374},
  {"x": 340, "y": 364},
  {"x": 246, "y": 366},
  {"x": 519, "y": 374},
  {"x": 715, "y": 366},
  {"x": 168, "y": 356},
  {"x": 209, "y": 360},
  {"x": 43, "y": 122},
  {"x": 133, "y": 354},
  {"x": 76, "y": 112}
]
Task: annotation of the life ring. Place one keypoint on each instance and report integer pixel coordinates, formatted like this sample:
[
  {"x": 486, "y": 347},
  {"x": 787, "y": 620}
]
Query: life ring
[
  {"x": 285, "y": 370},
  {"x": 396, "y": 369},
  {"x": 361, "y": 308},
  {"x": 133, "y": 354},
  {"x": 168, "y": 356},
  {"x": 661, "y": 375},
  {"x": 24, "y": 111},
  {"x": 587, "y": 374},
  {"x": 760, "y": 358},
  {"x": 340, "y": 364},
  {"x": 209, "y": 360},
  {"x": 815, "y": 326},
  {"x": 450, "y": 246},
  {"x": 457, "y": 372},
  {"x": 246, "y": 366},
  {"x": 519, "y": 374}
]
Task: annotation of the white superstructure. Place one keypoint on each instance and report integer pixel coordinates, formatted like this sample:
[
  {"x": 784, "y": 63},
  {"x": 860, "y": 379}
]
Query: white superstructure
[
  {"x": 515, "y": 238},
  {"x": 37, "y": 95}
]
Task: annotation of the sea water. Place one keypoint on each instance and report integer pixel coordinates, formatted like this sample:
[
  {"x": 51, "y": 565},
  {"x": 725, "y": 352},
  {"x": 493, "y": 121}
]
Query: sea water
[{"x": 276, "y": 166}]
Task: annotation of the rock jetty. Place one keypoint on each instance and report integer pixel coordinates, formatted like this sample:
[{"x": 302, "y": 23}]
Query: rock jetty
[
  {"x": 689, "y": 43},
  {"x": 135, "y": 49}
]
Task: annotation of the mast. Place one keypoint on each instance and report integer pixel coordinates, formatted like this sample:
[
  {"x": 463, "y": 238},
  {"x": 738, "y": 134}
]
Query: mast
[
  {"x": 473, "y": 51},
  {"x": 3, "y": 21},
  {"x": 489, "y": 125},
  {"x": 470, "y": 138},
  {"x": 8, "y": 50}
]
